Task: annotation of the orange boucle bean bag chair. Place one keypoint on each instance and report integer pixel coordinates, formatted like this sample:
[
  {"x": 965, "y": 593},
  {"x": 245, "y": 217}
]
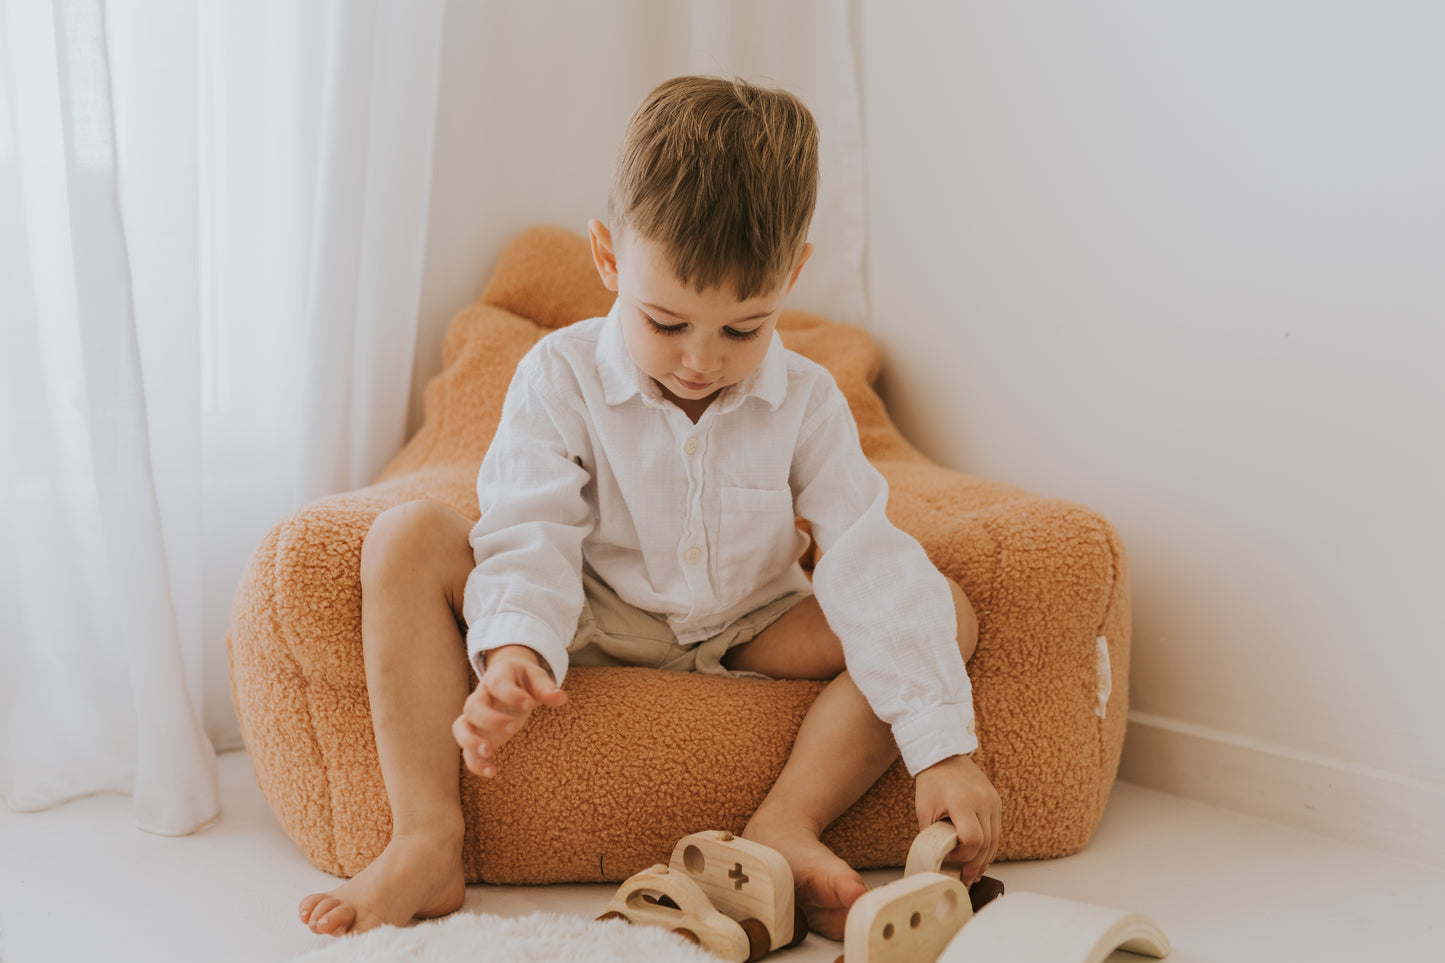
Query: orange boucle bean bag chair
[{"x": 638, "y": 758}]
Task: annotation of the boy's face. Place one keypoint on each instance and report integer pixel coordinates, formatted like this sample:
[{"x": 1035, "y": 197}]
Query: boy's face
[{"x": 693, "y": 344}]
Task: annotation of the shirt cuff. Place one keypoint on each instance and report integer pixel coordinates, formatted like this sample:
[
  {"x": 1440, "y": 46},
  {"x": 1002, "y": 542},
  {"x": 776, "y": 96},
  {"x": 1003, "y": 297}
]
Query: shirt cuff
[
  {"x": 516, "y": 629},
  {"x": 935, "y": 735}
]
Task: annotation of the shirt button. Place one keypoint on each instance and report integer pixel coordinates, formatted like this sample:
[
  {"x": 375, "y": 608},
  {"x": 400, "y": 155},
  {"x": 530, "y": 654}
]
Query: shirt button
[
  {"x": 690, "y": 446},
  {"x": 692, "y": 556}
]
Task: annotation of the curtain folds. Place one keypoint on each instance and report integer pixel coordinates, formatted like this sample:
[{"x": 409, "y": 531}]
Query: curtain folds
[{"x": 212, "y": 219}]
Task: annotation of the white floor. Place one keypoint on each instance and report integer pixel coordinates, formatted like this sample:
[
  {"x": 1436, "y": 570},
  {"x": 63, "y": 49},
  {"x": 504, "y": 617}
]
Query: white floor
[{"x": 79, "y": 883}]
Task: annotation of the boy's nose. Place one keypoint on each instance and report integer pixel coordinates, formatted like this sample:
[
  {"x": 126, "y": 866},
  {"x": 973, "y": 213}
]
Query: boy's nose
[{"x": 701, "y": 359}]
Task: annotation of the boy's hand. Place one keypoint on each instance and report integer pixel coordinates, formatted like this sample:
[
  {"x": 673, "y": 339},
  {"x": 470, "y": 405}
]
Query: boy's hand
[
  {"x": 513, "y": 685},
  {"x": 958, "y": 790}
]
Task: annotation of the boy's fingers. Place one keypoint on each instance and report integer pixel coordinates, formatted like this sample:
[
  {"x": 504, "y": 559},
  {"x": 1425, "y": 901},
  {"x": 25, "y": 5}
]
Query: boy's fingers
[
  {"x": 470, "y": 738},
  {"x": 541, "y": 687},
  {"x": 507, "y": 696},
  {"x": 552, "y": 696},
  {"x": 483, "y": 740},
  {"x": 476, "y": 748},
  {"x": 473, "y": 760},
  {"x": 488, "y": 718},
  {"x": 481, "y": 765},
  {"x": 460, "y": 732},
  {"x": 996, "y": 818},
  {"x": 972, "y": 848}
]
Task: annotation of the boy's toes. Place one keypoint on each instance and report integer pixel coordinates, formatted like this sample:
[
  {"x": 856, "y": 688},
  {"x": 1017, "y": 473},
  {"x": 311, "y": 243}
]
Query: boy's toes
[
  {"x": 839, "y": 889},
  {"x": 338, "y": 921},
  {"x": 848, "y": 887},
  {"x": 826, "y": 898},
  {"x": 827, "y": 923},
  {"x": 309, "y": 904},
  {"x": 322, "y": 908}
]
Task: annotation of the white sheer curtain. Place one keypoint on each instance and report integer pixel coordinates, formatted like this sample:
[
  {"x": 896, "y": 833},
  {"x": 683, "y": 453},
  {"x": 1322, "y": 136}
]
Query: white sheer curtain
[
  {"x": 212, "y": 223},
  {"x": 213, "y": 220}
]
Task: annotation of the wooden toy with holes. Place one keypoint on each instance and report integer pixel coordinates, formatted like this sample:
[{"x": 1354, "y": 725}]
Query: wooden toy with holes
[
  {"x": 928, "y": 916},
  {"x": 660, "y": 897},
  {"x": 910, "y": 920},
  {"x": 731, "y": 895}
]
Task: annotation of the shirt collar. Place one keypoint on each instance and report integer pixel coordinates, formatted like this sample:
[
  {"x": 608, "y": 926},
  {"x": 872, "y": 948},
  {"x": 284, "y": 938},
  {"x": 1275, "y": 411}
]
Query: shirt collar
[{"x": 622, "y": 379}]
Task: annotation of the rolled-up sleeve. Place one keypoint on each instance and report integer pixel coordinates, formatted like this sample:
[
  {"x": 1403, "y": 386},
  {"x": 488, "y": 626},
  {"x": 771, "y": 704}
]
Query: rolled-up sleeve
[
  {"x": 889, "y": 605},
  {"x": 526, "y": 588}
]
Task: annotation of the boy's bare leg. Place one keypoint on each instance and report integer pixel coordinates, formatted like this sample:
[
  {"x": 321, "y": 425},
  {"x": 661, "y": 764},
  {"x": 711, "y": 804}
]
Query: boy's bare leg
[
  {"x": 415, "y": 563},
  {"x": 842, "y": 749}
]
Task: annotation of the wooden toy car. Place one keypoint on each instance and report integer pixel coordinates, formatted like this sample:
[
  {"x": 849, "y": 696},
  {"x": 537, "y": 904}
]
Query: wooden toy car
[
  {"x": 731, "y": 895},
  {"x": 910, "y": 920},
  {"x": 747, "y": 881},
  {"x": 660, "y": 897},
  {"x": 921, "y": 919}
]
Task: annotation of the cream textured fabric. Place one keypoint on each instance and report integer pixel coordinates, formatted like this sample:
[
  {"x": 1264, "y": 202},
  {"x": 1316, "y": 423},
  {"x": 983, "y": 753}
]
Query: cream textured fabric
[{"x": 538, "y": 938}]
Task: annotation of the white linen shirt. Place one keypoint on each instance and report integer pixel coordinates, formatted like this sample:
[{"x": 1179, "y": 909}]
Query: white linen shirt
[{"x": 696, "y": 521}]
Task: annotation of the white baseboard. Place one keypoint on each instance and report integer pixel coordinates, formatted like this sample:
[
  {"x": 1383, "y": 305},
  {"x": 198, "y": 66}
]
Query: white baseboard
[{"x": 1381, "y": 810}]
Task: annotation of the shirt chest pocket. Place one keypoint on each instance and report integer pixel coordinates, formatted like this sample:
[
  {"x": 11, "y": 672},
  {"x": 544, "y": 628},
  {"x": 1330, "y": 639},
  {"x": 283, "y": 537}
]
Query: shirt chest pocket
[{"x": 758, "y": 540}]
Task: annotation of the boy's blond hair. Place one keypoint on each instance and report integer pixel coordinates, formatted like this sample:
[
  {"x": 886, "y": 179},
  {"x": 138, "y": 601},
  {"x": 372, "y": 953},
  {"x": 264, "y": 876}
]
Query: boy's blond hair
[{"x": 722, "y": 173}]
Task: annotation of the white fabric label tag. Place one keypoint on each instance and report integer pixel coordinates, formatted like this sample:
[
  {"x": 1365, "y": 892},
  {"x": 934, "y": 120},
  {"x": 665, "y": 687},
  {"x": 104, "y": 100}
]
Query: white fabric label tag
[{"x": 1105, "y": 685}]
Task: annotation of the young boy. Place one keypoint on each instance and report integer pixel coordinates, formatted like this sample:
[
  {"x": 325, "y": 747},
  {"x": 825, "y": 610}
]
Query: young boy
[{"x": 637, "y": 507}]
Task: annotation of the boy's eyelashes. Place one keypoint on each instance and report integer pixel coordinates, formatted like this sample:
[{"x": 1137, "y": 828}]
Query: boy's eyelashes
[{"x": 732, "y": 333}]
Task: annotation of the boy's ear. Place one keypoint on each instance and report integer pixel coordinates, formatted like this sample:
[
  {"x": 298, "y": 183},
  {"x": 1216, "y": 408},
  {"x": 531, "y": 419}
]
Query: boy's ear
[
  {"x": 603, "y": 254},
  {"x": 807, "y": 253}
]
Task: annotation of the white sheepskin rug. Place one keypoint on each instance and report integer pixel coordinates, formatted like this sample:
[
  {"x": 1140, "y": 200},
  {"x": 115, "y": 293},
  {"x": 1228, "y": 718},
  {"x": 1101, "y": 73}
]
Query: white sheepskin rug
[{"x": 539, "y": 938}]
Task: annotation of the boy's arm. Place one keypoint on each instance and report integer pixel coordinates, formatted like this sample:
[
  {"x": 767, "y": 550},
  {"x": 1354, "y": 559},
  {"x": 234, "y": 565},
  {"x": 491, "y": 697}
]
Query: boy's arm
[
  {"x": 526, "y": 588},
  {"x": 889, "y": 605}
]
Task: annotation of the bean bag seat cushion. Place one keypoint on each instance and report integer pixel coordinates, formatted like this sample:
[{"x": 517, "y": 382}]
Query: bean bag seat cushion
[{"x": 638, "y": 758}]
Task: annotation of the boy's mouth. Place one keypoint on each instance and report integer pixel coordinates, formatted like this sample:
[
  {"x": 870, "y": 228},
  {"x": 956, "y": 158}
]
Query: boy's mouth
[{"x": 693, "y": 385}]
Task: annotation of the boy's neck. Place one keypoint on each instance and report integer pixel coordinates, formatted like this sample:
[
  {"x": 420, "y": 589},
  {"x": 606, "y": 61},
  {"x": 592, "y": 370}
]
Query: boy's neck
[{"x": 690, "y": 407}]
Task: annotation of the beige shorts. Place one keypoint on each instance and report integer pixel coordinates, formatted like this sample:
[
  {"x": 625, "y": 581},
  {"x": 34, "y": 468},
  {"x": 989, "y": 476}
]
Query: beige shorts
[{"x": 611, "y": 632}]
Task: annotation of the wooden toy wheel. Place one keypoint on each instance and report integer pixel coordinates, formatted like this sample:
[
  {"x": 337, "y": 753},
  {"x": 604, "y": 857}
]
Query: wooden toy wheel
[
  {"x": 758, "y": 942},
  {"x": 800, "y": 927}
]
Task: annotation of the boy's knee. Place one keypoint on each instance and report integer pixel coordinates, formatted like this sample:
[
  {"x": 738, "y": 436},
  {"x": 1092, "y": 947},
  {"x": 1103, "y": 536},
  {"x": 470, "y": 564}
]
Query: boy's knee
[
  {"x": 967, "y": 621},
  {"x": 408, "y": 536}
]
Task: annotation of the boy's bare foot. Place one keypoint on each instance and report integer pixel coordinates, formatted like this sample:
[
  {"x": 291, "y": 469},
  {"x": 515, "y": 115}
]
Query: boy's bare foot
[
  {"x": 824, "y": 886},
  {"x": 415, "y": 876}
]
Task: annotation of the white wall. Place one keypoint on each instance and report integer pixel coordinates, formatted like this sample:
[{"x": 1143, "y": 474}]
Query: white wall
[{"x": 1185, "y": 263}]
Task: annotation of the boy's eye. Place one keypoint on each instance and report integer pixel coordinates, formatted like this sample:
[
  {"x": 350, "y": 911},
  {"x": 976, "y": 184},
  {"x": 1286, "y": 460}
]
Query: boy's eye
[
  {"x": 665, "y": 328},
  {"x": 730, "y": 333}
]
